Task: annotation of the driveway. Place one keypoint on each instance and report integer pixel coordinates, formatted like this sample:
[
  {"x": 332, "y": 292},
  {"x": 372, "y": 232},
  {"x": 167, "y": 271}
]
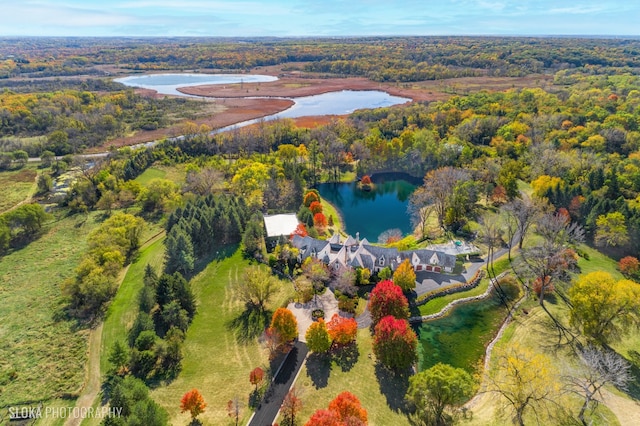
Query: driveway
[{"x": 327, "y": 302}]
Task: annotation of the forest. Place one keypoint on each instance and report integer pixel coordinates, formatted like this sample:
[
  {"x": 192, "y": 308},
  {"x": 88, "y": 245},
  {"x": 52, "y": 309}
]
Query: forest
[{"x": 172, "y": 260}]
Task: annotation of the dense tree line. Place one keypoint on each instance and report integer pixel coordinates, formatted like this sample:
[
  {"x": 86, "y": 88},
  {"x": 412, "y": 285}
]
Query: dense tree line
[
  {"x": 201, "y": 226},
  {"x": 71, "y": 120},
  {"x": 378, "y": 58}
]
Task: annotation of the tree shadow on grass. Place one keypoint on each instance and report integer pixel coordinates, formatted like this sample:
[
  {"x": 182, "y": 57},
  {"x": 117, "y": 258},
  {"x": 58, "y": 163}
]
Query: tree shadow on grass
[
  {"x": 250, "y": 324},
  {"x": 318, "y": 370},
  {"x": 633, "y": 389},
  {"x": 393, "y": 385},
  {"x": 346, "y": 356}
]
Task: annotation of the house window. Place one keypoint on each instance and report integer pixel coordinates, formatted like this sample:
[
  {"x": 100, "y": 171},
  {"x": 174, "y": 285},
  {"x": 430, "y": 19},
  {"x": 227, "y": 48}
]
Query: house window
[{"x": 381, "y": 260}]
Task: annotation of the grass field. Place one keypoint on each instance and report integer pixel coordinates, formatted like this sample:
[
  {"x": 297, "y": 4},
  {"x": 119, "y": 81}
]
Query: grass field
[
  {"x": 330, "y": 210},
  {"x": 215, "y": 361},
  {"x": 161, "y": 172},
  {"x": 319, "y": 383},
  {"x": 124, "y": 308},
  {"x": 17, "y": 185},
  {"x": 42, "y": 357}
]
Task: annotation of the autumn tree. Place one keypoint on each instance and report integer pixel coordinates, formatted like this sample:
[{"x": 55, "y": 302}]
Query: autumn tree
[
  {"x": 629, "y": 266},
  {"x": 521, "y": 213},
  {"x": 344, "y": 410},
  {"x": 387, "y": 299},
  {"x": 310, "y": 197},
  {"x": 342, "y": 330},
  {"x": 320, "y": 221},
  {"x": 611, "y": 230},
  {"x": 285, "y": 324},
  {"x": 315, "y": 207},
  {"x": 525, "y": 380},
  {"x": 317, "y": 337},
  {"x": 438, "y": 388},
  {"x": 604, "y": 309},
  {"x": 193, "y": 402},
  {"x": 301, "y": 230},
  {"x": 348, "y": 408},
  {"x": 324, "y": 417},
  {"x": 395, "y": 343},
  {"x": 291, "y": 406},
  {"x": 405, "y": 277},
  {"x": 256, "y": 376}
]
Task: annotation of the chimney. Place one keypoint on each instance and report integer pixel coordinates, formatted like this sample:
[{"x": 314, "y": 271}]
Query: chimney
[{"x": 357, "y": 238}]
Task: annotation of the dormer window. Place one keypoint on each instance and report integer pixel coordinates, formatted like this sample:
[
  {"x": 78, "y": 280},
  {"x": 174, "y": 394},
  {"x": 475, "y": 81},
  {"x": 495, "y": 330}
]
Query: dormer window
[{"x": 381, "y": 260}]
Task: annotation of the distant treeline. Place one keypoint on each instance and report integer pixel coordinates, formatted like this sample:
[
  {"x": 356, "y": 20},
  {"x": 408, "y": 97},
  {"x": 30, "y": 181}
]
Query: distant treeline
[{"x": 378, "y": 58}]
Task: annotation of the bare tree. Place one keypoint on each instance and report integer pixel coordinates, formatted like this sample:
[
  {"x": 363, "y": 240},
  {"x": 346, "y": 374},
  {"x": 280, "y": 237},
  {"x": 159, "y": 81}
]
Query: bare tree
[
  {"x": 420, "y": 209},
  {"x": 550, "y": 260},
  {"x": 521, "y": 214},
  {"x": 439, "y": 185},
  {"x": 491, "y": 235},
  {"x": 204, "y": 182},
  {"x": 600, "y": 367}
]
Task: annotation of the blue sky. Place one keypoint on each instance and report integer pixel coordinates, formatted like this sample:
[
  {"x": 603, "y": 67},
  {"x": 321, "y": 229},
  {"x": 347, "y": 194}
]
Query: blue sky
[{"x": 317, "y": 17}]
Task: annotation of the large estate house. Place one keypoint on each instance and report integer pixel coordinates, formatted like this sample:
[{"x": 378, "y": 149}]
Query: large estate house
[{"x": 354, "y": 253}]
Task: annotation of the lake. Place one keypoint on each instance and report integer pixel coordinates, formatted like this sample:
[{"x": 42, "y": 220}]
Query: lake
[
  {"x": 167, "y": 84},
  {"x": 373, "y": 212},
  {"x": 331, "y": 103}
]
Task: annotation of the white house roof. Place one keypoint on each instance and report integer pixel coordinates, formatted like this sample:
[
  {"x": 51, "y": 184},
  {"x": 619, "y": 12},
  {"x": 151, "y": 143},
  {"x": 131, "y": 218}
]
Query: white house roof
[{"x": 280, "y": 224}]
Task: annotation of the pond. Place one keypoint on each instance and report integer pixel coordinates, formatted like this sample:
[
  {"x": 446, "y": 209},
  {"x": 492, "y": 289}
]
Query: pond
[
  {"x": 460, "y": 338},
  {"x": 166, "y": 84},
  {"x": 372, "y": 212}
]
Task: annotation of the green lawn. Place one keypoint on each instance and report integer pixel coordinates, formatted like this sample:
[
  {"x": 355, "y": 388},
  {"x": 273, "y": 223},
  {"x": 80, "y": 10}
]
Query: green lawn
[
  {"x": 329, "y": 210},
  {"x": 215, "y": 361},
  {"x": 17, "y": 185},
  {"x": 320, "y": 382},
  {"x": 598, "y": 262},
  {"x": 124, "y": 308},
  {"x": 436, "y": 305},
  {"x": 41, "y": 355},
  {"x": 161, "y": 172}
]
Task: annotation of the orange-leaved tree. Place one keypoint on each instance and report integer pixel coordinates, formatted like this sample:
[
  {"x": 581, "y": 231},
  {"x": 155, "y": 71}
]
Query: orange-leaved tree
[
  {"x": 285, "y": 324},
  {"x": 315, "y": 207},
  {"x": 193, "y": 402},
  {"x": 342, "y": 331},
  {"x": 344, "y": 410}
]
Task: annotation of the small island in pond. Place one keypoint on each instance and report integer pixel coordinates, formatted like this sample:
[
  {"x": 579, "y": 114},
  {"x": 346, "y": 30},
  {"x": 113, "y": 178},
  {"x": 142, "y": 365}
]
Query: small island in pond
[{"x": 365, "y": 184}]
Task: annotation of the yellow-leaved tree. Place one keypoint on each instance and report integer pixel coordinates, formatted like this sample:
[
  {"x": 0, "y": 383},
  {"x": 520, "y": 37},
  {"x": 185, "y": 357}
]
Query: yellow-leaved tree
[
  {"x": 404, "y": 276},
  {"x": 604, "y": 309},
  {"x": 526, "y": 381}
]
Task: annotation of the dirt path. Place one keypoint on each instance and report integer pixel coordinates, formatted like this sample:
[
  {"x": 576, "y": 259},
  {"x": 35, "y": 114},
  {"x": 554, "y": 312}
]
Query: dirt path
[
  {"x": 626, "y": 410},
  {"x": 92, "y": 383}
]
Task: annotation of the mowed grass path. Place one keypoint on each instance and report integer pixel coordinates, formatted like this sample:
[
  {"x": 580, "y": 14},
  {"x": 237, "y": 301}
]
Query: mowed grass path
[
  {"x": 318, "y": 384},
  {"x": 16, "y": 186},
  {"x": 41, "y": 357},
  {"x": 215, "y": 362}
]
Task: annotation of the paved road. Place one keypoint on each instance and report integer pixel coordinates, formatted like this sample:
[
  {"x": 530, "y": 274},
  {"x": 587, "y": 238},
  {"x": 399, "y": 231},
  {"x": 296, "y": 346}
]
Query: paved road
[{"x": 268, "y": 409}]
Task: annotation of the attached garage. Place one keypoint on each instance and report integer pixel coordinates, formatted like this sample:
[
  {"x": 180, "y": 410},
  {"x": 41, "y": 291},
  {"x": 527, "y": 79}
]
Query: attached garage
[{"x": 436, "y": 269}]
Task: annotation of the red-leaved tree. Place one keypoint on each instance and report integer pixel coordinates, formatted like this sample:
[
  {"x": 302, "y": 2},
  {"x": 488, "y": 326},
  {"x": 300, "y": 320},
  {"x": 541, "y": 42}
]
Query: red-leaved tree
[
  {"x": 629, "y": 266},
  {"x": 320, "y": 221},
  {"x": 315, "y": 207},
  {"x": 300, "y": 230},
  {"x": 324, "y": 417},
  {"x": 387, "y": 299},
  {"x": 256, "y": 376},
  {"x": 342, "y": 331},
  {"x": 395, "y": 343},
  {"x": 193, "y": 402},
  {"x": 291, "y": 406}
]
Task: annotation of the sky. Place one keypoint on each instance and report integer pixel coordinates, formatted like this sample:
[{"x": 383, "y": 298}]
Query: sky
[{"x": 284, "y": 18}]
